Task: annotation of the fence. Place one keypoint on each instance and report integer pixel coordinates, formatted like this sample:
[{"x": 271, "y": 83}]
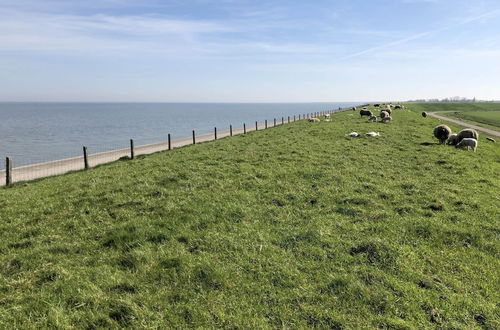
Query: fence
[{"x": 91, "y": 158}]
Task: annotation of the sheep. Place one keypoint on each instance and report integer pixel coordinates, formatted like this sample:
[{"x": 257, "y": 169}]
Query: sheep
[
  {"x": 327, "y": 115},
  {"x": 467, "y": 133},
  {"x": 398, "y": 107},
  {"x": 372, "y": 134},
  {"x": 376, "y": 105},
  {"x": 353, "y": 108},
  {"x": 490, "y": 139},
  {"x": 384, "y": 114},
  {"x": 314, "y": 120},
  {"x": 452, "y": 140},
  {"x": 372, "y": 119},
  {"x": 389, "y": 111},
  {"x": 352, "y": 134},
  {"x": 367, "y": 113},
  {"x": 466, "y": 143},
  {"x": 442, "y": 132},
  {"x": 424, "y": 114},
  {"x": 386, "y": 119}
]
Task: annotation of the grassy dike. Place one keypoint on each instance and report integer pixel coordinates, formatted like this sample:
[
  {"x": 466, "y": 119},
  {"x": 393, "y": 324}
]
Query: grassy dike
[{"x": 291, "y": 227}]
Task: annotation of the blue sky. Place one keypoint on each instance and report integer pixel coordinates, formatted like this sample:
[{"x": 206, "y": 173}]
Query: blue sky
[{"x": 248, "y": 51}]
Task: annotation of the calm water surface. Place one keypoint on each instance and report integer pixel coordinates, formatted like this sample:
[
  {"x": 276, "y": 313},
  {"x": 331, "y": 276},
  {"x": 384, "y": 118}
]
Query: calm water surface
[{"x": 36, "y": 132}]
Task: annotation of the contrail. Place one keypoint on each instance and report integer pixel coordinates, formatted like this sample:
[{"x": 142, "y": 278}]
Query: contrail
[{"x": 421, "y": 35}]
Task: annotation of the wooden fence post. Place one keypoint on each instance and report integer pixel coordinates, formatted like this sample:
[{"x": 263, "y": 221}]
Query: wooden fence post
[
  {"x": 132, "y": 154},
  {"x": 194, "y": 138},
  {"x": 169, "y": 142},
  {"x": 289, "y": 119},
  {"x": 244, "y": 128},
  {"x": 256, "y": 126},
  {"x": 215, "y": 132},
  {"x": 85, "y": 158},
  {"x": 294, "y": 118},
  {"x": 274, "y": 122},
  {"x": 282, "y": 120},
  {"x": 266, "y": 124},
  {"x": 230, "y": 130},
  {"x": 8, "y": 171}
]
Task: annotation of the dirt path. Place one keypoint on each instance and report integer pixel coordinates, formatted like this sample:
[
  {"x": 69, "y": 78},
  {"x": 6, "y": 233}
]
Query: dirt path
[{"x": 461, "y": 123}]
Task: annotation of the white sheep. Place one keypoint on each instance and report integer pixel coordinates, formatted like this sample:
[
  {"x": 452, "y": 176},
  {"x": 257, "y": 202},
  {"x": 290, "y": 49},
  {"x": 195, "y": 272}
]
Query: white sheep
[
  {"x": 386, "y": 119},
  {"x": 352, "y": 134},
  {"x": 373, "y": 134},
  {"x": 466, "y": 143},
  {"x": 373, "y": 118}
]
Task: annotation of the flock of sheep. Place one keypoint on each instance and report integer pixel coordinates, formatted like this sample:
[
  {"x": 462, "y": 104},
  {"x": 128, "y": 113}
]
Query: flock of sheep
[
  {"x": 466, "y": 138},
  {"x": 385, "y": 114}
]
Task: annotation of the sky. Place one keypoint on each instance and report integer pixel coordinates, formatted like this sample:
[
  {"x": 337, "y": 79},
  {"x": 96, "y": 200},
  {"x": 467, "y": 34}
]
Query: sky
[{"x": 248, "y": 51}]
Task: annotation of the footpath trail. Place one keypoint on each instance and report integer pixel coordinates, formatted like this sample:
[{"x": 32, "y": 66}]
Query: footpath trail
[
  {"x": 42, "y": 170},
  {"x": 461, "y": 123}
]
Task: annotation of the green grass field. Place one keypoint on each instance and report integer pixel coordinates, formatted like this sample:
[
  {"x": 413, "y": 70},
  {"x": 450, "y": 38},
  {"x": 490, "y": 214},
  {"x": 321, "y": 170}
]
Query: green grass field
[
  {"x": 488, "y": 119},
  {"x": 482, "y": 114},
  {"x": 291, "y": 227}
]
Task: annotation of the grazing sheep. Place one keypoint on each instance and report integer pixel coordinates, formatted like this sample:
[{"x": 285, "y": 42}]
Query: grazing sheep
[
  {"x": 389, "y": 111},
  {"x": 365, "y": 113},
  {"x": 327, "y": 115},
  {"x": 386, "y": 119},
  {"x": 466, "y": 143},
  {"x": 452, "y": 140},
  {"x": 490, "y": 139},
  {"x": 467, "y": 133},
  {"x": 372, "y": 134},
  {"x": 352, "y": 134},
  {"x": 314, "y": 120},
  {"x": 376, "y": 105},
  {"x": 424, "y": 114},
  {"x": 353, "y": 108},
  {"x": 372, "y": 118},
  {"x": 384, "y": 114},
  {"x": 398, "y": 107},
  {"x": 442, "y": 133}
]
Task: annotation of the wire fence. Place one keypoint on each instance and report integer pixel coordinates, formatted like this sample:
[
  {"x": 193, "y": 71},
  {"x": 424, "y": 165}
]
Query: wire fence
[{"x": 94, "y": 155}]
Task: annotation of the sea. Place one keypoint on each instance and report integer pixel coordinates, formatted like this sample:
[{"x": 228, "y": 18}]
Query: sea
[{"x": 32, "y": 133}]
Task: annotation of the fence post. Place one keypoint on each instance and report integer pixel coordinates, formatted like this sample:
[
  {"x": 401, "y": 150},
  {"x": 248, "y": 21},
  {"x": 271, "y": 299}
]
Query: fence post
[
  {"x": 194, "y": 138},
  {"x": 230, "y": 130},
  {"x": 85, "y": 158},
  {"x": 215, "y": 132},
  {"x": 294, "y": 118},
  {"x": 266, "y": 124},
  {"x": 256, "y": 126},
  {"x": 244, "y": 128},
  {"x": 282, "y": 120},
  {"x": 274, "y": 122},
  {"x": 8, "y": 171},
  {"x": 132, "y": 155},
  {"x": 289, "y": 119},
  {"x": 169, "y": 142}
]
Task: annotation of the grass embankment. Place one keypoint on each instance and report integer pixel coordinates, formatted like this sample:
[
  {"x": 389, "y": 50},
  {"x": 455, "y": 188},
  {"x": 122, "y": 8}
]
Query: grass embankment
[
  {"x": 296, "y": 226},
  {"x": 482, "y": 114}
]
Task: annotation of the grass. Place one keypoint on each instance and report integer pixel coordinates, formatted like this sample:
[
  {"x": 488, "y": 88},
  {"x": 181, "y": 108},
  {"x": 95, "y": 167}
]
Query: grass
[
  {"x": 482, "y": 114},
  {"x": 488, "y": 119},
  {"x": 294, "y": 227}
]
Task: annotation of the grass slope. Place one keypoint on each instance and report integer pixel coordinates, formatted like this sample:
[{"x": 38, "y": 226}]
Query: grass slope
[
  {"x": 488, "y": 119},
  {"x": 296, "y": 227}
]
